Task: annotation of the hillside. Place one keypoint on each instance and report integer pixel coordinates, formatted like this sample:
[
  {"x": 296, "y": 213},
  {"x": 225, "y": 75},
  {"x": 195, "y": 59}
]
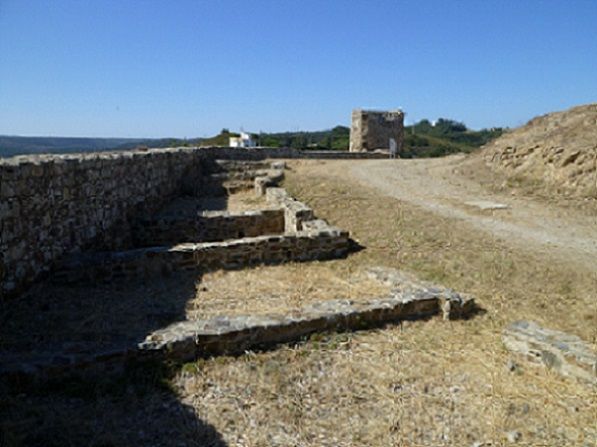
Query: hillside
[
  {"x": 557, "y": 150},
  {"x": 17, "y": 145},
  {"x": 443, "y": 137}
]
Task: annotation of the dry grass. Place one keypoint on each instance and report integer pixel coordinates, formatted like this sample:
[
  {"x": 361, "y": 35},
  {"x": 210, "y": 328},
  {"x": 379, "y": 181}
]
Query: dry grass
[
  {"x": 243, "y": 200},
  {"x": 496, "y": 181},
  {"x": 557, "y": 149},
  {"x": 423, "y": 383},
  {"x": 279, "y": 289}
]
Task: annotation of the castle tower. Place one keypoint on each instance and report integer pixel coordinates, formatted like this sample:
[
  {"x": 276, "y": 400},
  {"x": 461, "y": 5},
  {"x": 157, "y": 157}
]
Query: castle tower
[{"x": 373, "y": 129}]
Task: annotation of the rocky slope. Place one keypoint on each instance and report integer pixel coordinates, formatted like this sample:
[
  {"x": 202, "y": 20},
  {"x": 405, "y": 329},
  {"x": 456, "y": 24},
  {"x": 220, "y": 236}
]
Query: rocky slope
[{"x": 558, "y": 149}]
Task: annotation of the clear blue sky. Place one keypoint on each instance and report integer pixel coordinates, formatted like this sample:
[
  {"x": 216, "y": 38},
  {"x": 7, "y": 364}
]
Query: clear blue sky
[{"x": 189, "y": 68}]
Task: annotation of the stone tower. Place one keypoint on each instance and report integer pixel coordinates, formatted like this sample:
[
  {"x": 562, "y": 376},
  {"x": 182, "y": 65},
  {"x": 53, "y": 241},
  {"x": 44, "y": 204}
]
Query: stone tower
[{"x": 372, "y": 129}]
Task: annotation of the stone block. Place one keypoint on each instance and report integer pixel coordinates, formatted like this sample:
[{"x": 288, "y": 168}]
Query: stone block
[{"x": 565, "y": 354}]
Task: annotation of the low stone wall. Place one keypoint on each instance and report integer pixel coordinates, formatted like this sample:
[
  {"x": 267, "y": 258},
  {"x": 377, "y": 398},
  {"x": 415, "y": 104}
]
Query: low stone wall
[
  {"x": 219, "y": 226},
  {"x": 271, "y": 178},
  {"x": 273, "y": 249},
  {"x": 295, "y": 212},
  {"x": 208, "y": 226},
  {"x": 563, "y": 353},
  {"x": 188, "y": 340},
  {"x": 225, "y": 335}
]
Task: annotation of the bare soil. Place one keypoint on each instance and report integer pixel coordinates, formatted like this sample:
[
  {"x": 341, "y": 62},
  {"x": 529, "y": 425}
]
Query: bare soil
[
  {"x": 439, "y": 186},
  {"x": 557, "y": 150}
]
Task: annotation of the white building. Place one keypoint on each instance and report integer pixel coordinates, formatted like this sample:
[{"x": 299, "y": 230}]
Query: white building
[{"x": 244, "y": 140}]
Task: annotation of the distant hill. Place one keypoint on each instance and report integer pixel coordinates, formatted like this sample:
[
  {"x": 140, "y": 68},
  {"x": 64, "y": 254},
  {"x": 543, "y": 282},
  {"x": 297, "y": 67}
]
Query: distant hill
[
  {"x": 558, "y": 150},
  {"x": 15, "y": 145}
]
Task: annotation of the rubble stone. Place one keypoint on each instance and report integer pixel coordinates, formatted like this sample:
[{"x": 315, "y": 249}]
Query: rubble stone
[{"x": 564, "y": 353}]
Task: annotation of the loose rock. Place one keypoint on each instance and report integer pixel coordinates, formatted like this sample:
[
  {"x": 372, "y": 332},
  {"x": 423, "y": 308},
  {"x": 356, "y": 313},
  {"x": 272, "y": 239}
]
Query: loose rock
[{"x": 561, "y": 352}]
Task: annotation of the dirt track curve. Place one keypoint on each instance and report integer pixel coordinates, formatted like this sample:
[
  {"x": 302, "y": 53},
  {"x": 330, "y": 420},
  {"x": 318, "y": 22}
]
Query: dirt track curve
[{"x": 435, "y": 185}]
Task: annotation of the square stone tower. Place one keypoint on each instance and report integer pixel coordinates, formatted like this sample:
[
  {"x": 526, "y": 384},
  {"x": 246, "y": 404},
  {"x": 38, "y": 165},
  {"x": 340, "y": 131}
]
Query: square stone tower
[{"x": 373, "y": 129}]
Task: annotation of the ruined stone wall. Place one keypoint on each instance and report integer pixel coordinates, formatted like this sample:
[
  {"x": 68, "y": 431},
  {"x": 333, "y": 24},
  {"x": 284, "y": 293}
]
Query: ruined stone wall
[
  {"x": 53, "y": 205},
  {"x": 208, "y": 226},
  {"x": 371, "y": 130},
  {"x": 295, "y": 213},
  {"x": 322, "y": 243}
]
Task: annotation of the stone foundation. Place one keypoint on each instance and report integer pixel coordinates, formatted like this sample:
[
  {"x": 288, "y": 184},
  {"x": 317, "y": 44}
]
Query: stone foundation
[
  {"x": 55, "y": 205},
  {"x": 273, "y": 249},
  {"x": 187, "y": 340},
  {"x": 209, "y": 226},
  {"x": 295, "y": 213}
]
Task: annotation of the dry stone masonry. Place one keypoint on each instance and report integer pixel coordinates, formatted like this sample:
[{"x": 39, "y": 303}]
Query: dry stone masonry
[
  {"x": 216, "y": 240},
  {"x": 54, "y": 205},
  {"x": 372, "y": 129},
  {"x": 104, "y": 218},
  {"x": 186, "y": 340},
  {"x": 566, "y": 354}
]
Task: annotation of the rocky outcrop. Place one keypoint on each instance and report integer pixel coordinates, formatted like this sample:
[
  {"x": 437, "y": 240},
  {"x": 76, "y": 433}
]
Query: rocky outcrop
[{"x": 558, "y": 149}]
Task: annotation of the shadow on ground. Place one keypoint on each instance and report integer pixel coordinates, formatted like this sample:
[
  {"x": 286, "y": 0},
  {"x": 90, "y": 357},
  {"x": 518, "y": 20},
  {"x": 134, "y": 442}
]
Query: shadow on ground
[
  {"x": 135, "y": 409},
  {"x": 52, "y": 322}
]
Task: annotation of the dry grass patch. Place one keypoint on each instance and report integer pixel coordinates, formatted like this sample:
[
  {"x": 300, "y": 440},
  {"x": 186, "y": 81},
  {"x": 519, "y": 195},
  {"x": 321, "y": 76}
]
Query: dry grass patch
[
  {"x": 421, "y": 383},
  {"x": 279, "y": 289},
  {"x": 408, "y": 385},
  {"x": 243, "y": 200},
  {"x": 496, "y": 181}
]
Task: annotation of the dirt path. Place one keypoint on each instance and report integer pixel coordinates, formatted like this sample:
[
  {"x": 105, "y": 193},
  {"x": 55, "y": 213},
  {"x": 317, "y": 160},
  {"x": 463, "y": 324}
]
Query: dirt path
[{"x": 435, "y": 185}]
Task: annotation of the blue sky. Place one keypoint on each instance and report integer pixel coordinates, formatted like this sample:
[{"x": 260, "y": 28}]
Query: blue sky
[{"x": 189, "y": 68}]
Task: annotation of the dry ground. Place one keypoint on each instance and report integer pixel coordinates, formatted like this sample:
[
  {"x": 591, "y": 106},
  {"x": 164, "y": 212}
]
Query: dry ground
[
  {"x": 280, "y": 289},
  {"x": 238, "y": 202},
  {"x": 557, "y": 152},
  {"x": 423, "y": 383}
]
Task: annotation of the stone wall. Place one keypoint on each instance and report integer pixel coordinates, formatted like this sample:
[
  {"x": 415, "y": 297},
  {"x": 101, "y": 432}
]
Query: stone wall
[
  {"x": 321, "y": 244},
  {"x": 371, "y": 130},
  {"x": 208, "y": 226},
  {"x": 295, "y": 213},
  {"x": 54, "y": 205}
]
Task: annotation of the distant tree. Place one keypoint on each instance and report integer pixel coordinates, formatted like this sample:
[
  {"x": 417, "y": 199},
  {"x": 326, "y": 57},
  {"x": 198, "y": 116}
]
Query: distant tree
[{"x": 447, "y": 126}]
